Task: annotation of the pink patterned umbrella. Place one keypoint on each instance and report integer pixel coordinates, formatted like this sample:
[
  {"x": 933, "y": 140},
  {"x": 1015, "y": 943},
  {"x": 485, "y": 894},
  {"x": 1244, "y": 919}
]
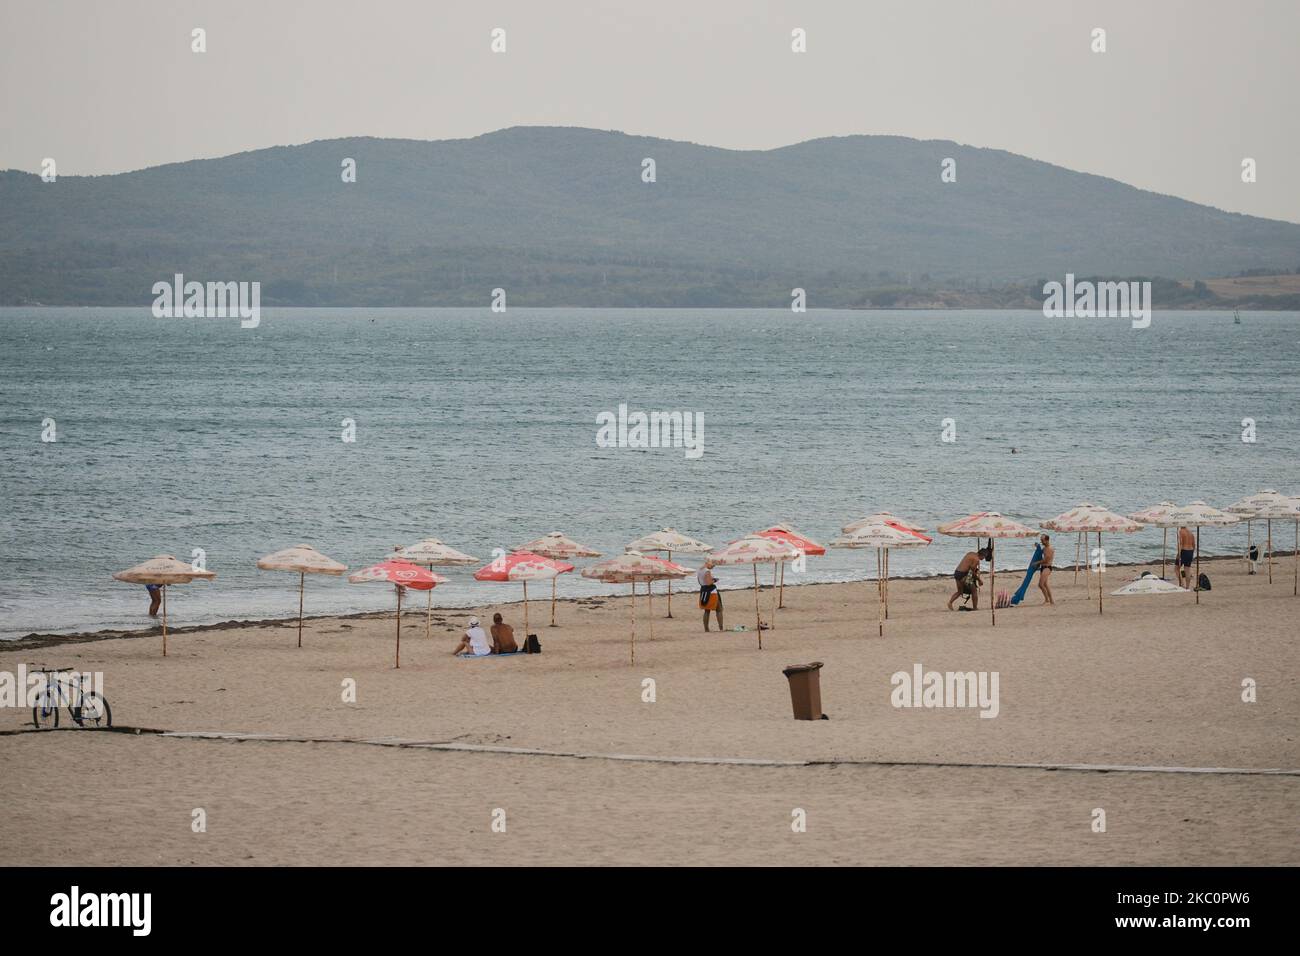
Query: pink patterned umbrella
[
  {"x": 754, "y": 550},
  {"x": 881, "y": 535},
  {"x": 667, "y": 540},
  {"x": 402, "y": 575},
  {"x": 557, "y": 547},
  {"x": 1086, "y": 519},
  {"x": 630, "y": 568},
  {"x": 522, "y": 566},
  {"x": 988, "y": 524},
  {"x": 786, "y": 534}
]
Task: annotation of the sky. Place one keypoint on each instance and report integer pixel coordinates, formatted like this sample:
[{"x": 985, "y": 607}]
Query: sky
[{"x": 1185, "y": 91}]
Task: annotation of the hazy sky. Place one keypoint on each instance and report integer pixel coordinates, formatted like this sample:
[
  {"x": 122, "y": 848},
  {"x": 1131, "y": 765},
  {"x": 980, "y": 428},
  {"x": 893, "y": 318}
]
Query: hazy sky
[{"x": 1184, "y": 92}]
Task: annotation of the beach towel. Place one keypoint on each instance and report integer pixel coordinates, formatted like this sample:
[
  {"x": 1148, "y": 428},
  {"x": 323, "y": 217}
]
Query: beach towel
[
  {"x": 484, "y": 657},
  {"x": 1029, "y": 575}
]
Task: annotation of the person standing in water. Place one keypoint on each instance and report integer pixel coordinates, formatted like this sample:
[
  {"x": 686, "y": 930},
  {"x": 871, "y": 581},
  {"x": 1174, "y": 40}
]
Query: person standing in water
[
  {"x": 1045, "y": 570},
  {"x": 710, "y": 596},
  {"x": 155, "y": 598}
]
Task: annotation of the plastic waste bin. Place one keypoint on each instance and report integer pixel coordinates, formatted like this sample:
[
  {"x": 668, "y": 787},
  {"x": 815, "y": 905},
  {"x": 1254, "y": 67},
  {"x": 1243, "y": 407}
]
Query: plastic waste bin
[{"x": 805, "y": 690}]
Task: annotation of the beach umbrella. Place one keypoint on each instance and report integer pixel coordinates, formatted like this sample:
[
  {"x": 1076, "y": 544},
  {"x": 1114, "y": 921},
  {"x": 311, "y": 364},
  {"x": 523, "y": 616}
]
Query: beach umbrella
[
  {"x": 1158, "y": 517},
  {"x": 1262, "y": 506},
  {"x": 305, "y": 560},
  {"x": 163, "y": 570},
  {"x": 629, "y": 568},
  {"x": 882, "y": 536},
  {"x": 402, "y": 575},
  {"x": 1150, "y": 584},
  {"x": 522, "y": 566},
  {"x": 557, "y": 547},
  {"x": 668, "y": 540},
  {"x": 754, "y": 550},
  {"x": 890, "y": 519},
  {"x": 806, "y": 547},
  {"x": 1199, "y": 514},
  {"x": 431, "y": 553},
  {"x": 988, "y": 524},
  {"x": 1089, "y": 518}
]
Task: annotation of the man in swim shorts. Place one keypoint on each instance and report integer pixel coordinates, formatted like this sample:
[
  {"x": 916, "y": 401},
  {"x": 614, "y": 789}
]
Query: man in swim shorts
[
  {"x": 967, "y": 576},
  {"x": 1186, "y": 555}
]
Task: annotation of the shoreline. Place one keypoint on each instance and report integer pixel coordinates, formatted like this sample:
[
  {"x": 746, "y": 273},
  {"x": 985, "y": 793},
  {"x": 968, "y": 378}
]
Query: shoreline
[{"x": 38, "y": 639}]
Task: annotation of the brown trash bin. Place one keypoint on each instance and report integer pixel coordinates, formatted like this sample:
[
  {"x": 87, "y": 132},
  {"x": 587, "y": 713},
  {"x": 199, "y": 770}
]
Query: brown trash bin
[{"x": 805, "y": 690}]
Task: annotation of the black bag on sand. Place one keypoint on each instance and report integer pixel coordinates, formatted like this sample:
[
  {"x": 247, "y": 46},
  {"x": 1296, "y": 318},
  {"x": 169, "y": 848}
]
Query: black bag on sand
[
  {"x": 1203, "y": 582},
  {"x": 532, "y": 645}
]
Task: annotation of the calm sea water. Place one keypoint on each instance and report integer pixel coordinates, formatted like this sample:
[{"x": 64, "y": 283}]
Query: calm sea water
[{"x": 480, "y": 429}]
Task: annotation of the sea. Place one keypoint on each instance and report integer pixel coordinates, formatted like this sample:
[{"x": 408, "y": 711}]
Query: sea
[{"x": 123, "y": 436}]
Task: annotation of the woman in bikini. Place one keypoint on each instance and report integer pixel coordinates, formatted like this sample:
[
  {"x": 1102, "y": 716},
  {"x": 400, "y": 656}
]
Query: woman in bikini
[{"x": 1045, "y": 570}]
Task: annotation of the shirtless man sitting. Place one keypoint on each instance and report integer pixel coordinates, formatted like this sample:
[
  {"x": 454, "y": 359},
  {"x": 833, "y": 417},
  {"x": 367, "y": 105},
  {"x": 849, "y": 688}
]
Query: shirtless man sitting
[
  {"x": 503, "y": 636},
  {"x": 970, "y": 565}
]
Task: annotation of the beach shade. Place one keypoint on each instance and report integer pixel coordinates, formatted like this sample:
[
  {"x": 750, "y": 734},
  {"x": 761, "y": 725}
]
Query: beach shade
[
  {"x": 402, "y": 575},
  {"x": 668, "y": 540},
  {"x": 877, "y": 518},
  {"x": 988, "y": 524},
  {"x": 163, "y": 569},
  {"x": 1199, "y": 514},
  {"x": 557, "y": 547},
  {"x": 431, "y": 553},
  {"x": 806, "y": 547},
  {"x": 1157, "y": 516},
  {"x": 630, "y": 568},
  {"x": 1088, "y": 518},
  {"x": 1150, "y": 584},
  {"x": 1263, "y": 506},
  {"x": 305, "y": 560},
  {"x": 522, "y": 566},
  {"x": 882, "y": 536},
  {"x": 754, "y": 550}
]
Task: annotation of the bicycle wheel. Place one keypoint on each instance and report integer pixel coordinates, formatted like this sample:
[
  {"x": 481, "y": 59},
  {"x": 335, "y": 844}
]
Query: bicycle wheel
[
  {"x": 93, "y": 712},
  {"x": 45, "y": 715}
]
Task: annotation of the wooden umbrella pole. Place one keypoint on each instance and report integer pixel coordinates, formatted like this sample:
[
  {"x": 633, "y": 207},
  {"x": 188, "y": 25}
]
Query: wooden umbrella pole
[
  {"x": 1077, "y": 539},
  {"x": 1270, "y": 552},
  {"x": 398, "y": 660},
  {"x": 1295, "y": 591},
  {"x": 302, "y": 576},
  {"x": 880, "y": 594},
  {"x": 1248, "y": 543},
  {"x": 1196, "y": 585},
  {"x": 1100, "y": 560},
  {"x": 649, "y": 611},
  {"x": 670, "y": 589},
  {"x": 525, "y": 610},
  {"x": 633, "y": 608},
  {"x": 781, "y": 601},
  {"x": 886, "y": 584},
  {"x": 993, "y": 585},
  {"x": 428, "y": 614},
  {"x": 553, "y": 601},
  {"x": 1164, "y": 550},
  {"x": 758, "y": 619},
  {"x": 164, "y": 591}
]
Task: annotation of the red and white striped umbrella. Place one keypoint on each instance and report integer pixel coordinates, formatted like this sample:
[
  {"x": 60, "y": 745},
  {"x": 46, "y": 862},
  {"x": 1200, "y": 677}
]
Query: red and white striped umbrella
[
  {"x": 522, "y": 566},
  {"x": 402, "y": 575}
]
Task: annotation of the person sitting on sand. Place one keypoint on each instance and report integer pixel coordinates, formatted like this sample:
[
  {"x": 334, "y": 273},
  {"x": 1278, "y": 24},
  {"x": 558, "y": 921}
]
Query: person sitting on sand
[
  {"x": 475, "y": 642},
  {"x": 1186, "y": 555},
  {"x": 155, "y": 598},
  {"x": 1045, "y": 570},
  {"x": 503, "y": 636},
  {"x": 710, "y": 596},
  {"x": 967, "y": 577}
]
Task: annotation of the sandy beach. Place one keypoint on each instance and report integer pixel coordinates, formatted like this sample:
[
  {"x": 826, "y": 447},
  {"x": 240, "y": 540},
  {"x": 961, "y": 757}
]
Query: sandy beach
[{"x": 1154, "y": 682}]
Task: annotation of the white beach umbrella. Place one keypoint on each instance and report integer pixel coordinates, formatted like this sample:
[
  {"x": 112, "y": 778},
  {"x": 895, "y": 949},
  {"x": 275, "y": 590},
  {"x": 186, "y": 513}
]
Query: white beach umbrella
[
  {"x": 754, "y": 550},
  {"x": 431, "y": 553},
  {"x": 1150, "y": 584},
  {"x": 1088, "y": 518},
  {"x": 305, "y": 560},
  {"x": 164, "y": 570},
  {"x": 806, "y": 547},
  {"x": 557, "y": 547},
  {"x": 629, "y": 568},
  {"x": 882, "y": 535},
  {"x": 988, "y": 524},
  {"x": 1157, "y": 516},
  {"x": 1199, "y": 514},
  {"x": 878, "y": 517},
  {"x": 1262, "y": 506},
  {"x": 667, "y": 540}
]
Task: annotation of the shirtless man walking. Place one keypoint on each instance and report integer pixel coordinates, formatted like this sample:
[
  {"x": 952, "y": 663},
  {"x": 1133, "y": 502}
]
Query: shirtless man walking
[
  {"x": 1186, "y": 555},
  {"x": 970, "y": 565}
]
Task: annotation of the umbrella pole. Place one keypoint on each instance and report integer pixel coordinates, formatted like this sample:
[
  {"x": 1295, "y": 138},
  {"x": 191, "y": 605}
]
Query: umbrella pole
[
  {"x": 633, "y": 645},
  {"x": 164, "y": 590},
  {"x": 650, "y": 609},
  {"x": 758, "y": 619},
  {"x": 880, "y": 594},
  {"x": 886, "y": 584},
  {"x": 1270, "y": 552},
  {"x": 1196, "y": 585},
  {"x": 670, "y": 589},
  {"x": 302, "y": 576},
  {"x": 1077, "y": 539},
  {"x": 1100, "y": 559},
  {"x": 553, "y": 624},
  {"x": 397, "y": 661},
  {"x": 428, "y": 614},
  {"x": 1164, "y": 549},
  {"x": 525, "y": 610},
  {"x": 993, "y": 585},
  {"x": 781, "y": 600},
  {"x": 1296, "y": 588},
  {"x": 1248, "y": 523}
]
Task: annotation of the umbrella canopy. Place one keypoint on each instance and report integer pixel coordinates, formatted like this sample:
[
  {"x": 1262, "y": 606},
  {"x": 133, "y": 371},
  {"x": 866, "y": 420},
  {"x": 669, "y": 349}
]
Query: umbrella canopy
[
  {"x": 430, "y": 552},
  {"x": 629, "y": 568},
  {"x": 1086, "y": 519},
  {"x": 1266, "y": 506},
  {"x": 1198, "y": 514},
  {"x": 558, "y": 546},
  {"x": 877, "y": 518},
  {"x": 305, "y": 560},
  {"x": 783, "y": 532},
  {"x": 401, "y": 574},
  {"x": 988, "y": 524},
  {"x": 882, "y": 534},
  {"x": 1157, "y": 516},
  {"x": 754, "y": 550},
  {"x": 669, "y": 540},
  {"x": 522, "y": 566},
  {"x": 164, "y": 569},
  {"x": 1150, "y": 584}
]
